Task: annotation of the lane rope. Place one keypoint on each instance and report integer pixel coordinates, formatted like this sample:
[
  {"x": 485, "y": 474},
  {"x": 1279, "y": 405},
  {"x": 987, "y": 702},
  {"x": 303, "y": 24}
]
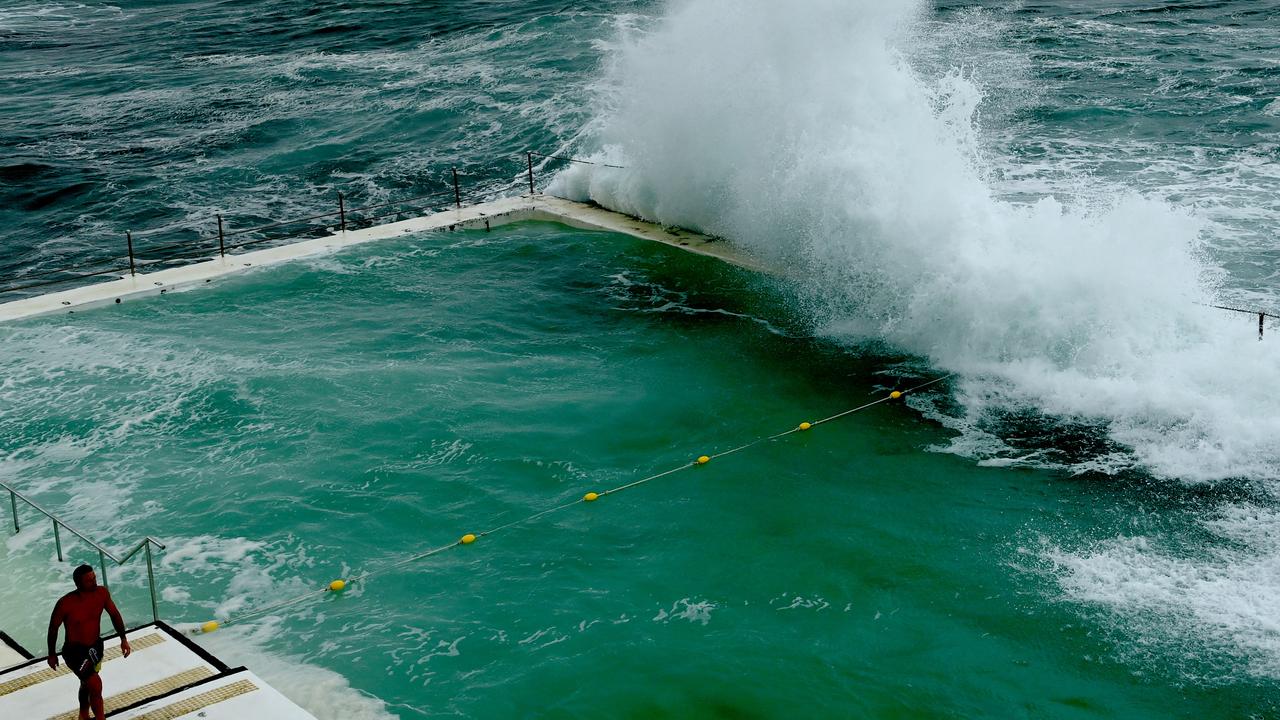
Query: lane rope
[{"x": 341, "y": 584}]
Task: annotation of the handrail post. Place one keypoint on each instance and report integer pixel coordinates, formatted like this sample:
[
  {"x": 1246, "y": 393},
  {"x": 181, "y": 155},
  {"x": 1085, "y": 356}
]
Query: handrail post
[
  {"x": 102, "y": 562},
  {"x": 1261, "y": 317},
  {"x": 529, "y": 156},
  {"x": 222, "y": 243},
  {"x": 457, "y": 194},
  {"x": 57, "y": 540},
  {"x": 342, "y": 212},
  {"x": 151, "y": 581},
  {"x": 129, "y": 237},
  {"x": 13, "y": 505}
]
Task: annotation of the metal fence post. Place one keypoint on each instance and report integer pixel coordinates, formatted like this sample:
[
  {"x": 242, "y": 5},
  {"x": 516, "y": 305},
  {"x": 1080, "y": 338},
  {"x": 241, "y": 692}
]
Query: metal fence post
[
  {"x": 13, "y": 504},
  {"x": 151, "y": 581},
  {"x": 342, "y": 212},
  {"x": 57, "y": 540},
  {"x": 129, "y": 237},
  {"x": 102, "y": 562},
  {"x": 529, "y": 156},
  {"x": 222, "y": 244},
  {"x": 457, "y": 194}
]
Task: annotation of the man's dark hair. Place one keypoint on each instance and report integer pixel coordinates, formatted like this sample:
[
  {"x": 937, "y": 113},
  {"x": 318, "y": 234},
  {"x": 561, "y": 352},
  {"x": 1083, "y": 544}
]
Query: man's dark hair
[{"x": 80, "y": 572}]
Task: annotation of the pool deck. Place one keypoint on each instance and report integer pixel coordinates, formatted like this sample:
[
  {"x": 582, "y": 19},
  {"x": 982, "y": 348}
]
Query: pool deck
[
  {"x": 485, "y": 215},
  {"x": 11, "y": 653},
  {"x": 166, "y": 677}
]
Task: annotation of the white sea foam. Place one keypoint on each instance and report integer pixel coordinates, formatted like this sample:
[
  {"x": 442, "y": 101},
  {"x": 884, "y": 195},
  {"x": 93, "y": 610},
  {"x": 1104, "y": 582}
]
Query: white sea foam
[
  {"x": 805, "y": 134},
  {"x": 323, "y": 692},
  {"x": 821, "y": 135},
  {"x": 689, "y": 609},
  {"x": 1222, "y": 597},
  {"x": 56, "y": 372},
  {"x": 632, "y": 295},
  {"x": 243, "y": 573},
  {"x": 54, "y": 18}
]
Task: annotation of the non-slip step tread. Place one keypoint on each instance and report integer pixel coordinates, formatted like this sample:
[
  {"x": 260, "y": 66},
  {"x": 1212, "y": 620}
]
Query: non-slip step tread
[
  {"x": 111, "y": 653},
  {"x": 141, "y": 694},
  {"x": 199, "y": 702}
]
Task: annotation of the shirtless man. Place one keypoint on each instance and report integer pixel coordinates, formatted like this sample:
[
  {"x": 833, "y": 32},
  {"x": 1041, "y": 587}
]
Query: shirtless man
[{"x": 81, "y": 611}]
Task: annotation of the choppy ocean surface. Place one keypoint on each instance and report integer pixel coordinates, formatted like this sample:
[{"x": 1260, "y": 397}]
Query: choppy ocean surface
[{"x": 1040, "y": 198}]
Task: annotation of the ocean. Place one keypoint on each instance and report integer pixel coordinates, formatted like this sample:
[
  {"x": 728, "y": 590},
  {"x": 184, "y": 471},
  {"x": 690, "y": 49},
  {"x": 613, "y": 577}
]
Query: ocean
[{"x": 1039, "y": 201}]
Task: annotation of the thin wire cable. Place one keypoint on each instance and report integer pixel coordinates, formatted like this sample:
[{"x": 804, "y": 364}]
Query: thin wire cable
[
  {"x": 439, "y": 193},
  {"x": 259, "y": 241},
  {"x": 191, "y": 251},
  {"x": 361, "y": 577},
  {"x": 392, "y": 213},
  {"x": 275, "y": 606},
  {"x": 753, "y": 443},
  {"x": 67, "y": 269},
  {"x": 194, "y": 248},
  {"x": 1246, "y": 312},
  {"x": 171, "y": 246},
  {"x": 62, "y": 280},
  {"x": 273, "y": 226},
  {"x": 881, "y": 400},
  {"x": 576, "y": 160}
]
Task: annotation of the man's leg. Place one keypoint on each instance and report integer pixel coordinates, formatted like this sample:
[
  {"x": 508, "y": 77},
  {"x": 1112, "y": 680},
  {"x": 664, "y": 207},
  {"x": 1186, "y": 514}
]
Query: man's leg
[
  {"x": 94, "y": 683},
  {"x": 84, "y": 700}
]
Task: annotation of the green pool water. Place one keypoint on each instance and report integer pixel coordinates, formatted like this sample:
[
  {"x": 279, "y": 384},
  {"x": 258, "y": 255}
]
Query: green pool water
[{"x": 293, "y": 425}]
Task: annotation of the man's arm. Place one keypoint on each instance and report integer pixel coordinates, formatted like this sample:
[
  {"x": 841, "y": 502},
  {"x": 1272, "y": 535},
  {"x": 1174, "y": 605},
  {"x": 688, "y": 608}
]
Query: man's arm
[
  {"x": 117, "y": 622},
  {"x": 55, "y": 621}
]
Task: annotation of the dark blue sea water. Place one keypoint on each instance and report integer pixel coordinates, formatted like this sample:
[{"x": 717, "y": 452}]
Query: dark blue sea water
[{"x": 158, "y": 116}]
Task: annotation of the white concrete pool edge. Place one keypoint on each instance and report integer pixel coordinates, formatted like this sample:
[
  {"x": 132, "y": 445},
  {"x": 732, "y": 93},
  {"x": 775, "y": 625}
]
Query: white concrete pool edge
[{"x": 484, "y": 215}]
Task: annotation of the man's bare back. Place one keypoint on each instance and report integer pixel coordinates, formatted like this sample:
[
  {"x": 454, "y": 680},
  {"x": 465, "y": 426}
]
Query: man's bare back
[{"x": 81, "y": 614}]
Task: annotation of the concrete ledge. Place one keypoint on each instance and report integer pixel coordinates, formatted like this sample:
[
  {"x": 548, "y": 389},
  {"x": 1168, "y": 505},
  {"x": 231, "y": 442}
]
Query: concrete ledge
[
  {"x": 594, "y": 217},
  {"x": 11, "y": 653},
  {"x": 484, "y": 215}
]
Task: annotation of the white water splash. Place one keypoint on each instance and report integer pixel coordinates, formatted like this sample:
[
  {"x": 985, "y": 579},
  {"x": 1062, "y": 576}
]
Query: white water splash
[
  {"x": 322, "y": 692},
  {"x": 804, "y": 134},
  {"x": 1224, "y": 598}
]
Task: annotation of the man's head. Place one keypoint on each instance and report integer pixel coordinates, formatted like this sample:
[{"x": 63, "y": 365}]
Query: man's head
[{"x": 84, "y": 578}]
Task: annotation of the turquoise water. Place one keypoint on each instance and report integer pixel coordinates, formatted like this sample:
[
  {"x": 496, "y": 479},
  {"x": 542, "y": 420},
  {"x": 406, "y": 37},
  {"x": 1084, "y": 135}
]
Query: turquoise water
[
  {"x": 389, "y": 399},
  {"x": 1078, "y": 523}
]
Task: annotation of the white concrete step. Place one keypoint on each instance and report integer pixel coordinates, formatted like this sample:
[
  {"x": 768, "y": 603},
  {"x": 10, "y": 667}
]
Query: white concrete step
[
  {"x": 239, "y": 695},
  {"x": 163, "y": 665},
  {"x": 11, "y": 653}
]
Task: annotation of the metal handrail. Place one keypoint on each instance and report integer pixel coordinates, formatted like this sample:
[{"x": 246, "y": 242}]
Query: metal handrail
[
  {"x": 144, "y": 545},
  {"x": 1262, "y": 316},
  {"x": 576, "y": 160},
  {"x": 194, "y": 248},
  {"x": 67, "y": 269},
  {"x": 59, "y": 281},
  {"x": 24, "y": 282}
]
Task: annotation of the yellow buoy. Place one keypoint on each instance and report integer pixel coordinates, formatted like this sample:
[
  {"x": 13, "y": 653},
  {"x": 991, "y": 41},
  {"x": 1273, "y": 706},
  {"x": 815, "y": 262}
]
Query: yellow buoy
[
  {"x": 703, "y": 460},
  {"x": 468, "y": 539},
  {"x": 805, "y": 426},
  {"x": 591, "y": 497},
  {"x": 209, "y": 626},
  {"x": 895, "y": 395},
  {"x": 337, "y": 585}
]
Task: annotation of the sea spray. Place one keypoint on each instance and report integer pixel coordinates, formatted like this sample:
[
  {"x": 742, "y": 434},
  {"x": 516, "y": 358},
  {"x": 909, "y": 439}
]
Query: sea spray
[
  {"x": 325, "y": 693},
  {"x": 804, "y": 134}
]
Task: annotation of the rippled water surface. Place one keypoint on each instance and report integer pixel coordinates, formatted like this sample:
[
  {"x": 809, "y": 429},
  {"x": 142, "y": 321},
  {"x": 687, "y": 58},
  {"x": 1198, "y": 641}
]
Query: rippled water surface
[{"x": 1038, "y": 198}]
